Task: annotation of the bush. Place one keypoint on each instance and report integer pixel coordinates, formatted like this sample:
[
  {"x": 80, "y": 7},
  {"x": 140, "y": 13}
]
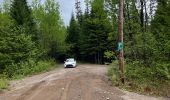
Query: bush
[
  {"x": 113, "y": 73},
  {"x": 15, "y": 47},
  {"x": 22, "y": 69},
  {"x": 3, "y": 82},
  {"x": 109, "y": 56},
  {"x": 42, "y": 66},
  {"x": 152, "y": 80},
  {"x": 155, "y": 74},
  {"x": 149, "y": 80}
]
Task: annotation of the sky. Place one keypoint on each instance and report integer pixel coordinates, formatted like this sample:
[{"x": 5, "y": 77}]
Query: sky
[{"x": 66, "y": 8}]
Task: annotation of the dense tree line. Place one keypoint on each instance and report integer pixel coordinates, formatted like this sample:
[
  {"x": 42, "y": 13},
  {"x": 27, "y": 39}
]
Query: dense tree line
[
  {"x": 30, "y": 33},
  {"x": 146, "y": 33},
  {"x": 51, "y": 27},
  {"x": 91, "y": 33},
  {"x": 146, "y": 37}
]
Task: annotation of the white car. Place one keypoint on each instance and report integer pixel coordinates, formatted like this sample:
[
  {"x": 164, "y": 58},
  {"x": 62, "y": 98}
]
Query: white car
[{"x": 71, "y": 62}]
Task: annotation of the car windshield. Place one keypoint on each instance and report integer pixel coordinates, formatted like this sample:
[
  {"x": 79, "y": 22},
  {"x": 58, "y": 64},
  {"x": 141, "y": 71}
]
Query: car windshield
[{"x": 70, "y": 60}]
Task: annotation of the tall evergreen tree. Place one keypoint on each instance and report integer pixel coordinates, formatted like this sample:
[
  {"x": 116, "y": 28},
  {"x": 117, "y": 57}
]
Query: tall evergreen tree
[
  {"x": 83, "y": 41},
  {"x": 99, "y": 27},
  {"x": 20, "y": 12},
  {"x": 73, "y": 37},
  {"x": 112, "y": 12}
]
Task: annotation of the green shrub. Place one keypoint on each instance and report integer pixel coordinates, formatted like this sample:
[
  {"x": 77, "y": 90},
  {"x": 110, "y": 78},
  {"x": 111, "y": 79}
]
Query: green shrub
[
  {"x": 42, "y": 66},
  {"x": 113, "y": 72},
  {"x": 139, "y": 73},
  {"x": 109, "y": 56},
  {"x": 154, "y": 79},
  {"x": 15, "y": 48},
  {"x": 30, "y": 67},
  {"x": 3, "y": 82},
  {"x": 151, "y": 80}
]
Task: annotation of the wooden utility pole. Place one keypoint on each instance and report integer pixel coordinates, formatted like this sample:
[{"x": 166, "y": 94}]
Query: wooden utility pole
[{"x": 120, "y": 44}]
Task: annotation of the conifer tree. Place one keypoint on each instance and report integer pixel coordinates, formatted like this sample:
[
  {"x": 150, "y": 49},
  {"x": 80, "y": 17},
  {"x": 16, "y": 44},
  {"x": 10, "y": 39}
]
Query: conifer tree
[
  {"x": 73, "y": 37},
  {"x": 99, "y": 27},
  {"x": 20, "y": 12}
]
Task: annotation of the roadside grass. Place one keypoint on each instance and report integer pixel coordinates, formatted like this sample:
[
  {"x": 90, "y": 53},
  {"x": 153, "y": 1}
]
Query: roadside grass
[
  {"x": 3, "y": 82},
  {"x": 32, "y": 68},
  {"x": 26, "y": 69},
  {"x": 144, "y": 80}
]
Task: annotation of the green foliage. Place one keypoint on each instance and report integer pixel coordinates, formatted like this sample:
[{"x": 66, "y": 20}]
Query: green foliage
[
  {"x": 154, "y": 75},
  {"x": 22, "y": 45},
  {"x": 22, "y": 16},
  {"x": 3, "y": 82},
  {"x": 53, "y": 32},
  {"x": 15, "y": 48},
  {"x": 94, "y": 36},
  {"x": 146, "y": 46},
  {"x": 152, "y": 80},
  {"x": 72, "y": 38},
  {"x": 148, "y": 80},
  {"x": 109, "y": 56},
  {"x": 161, "y": 28},
  {"x": 5, "y": 20},
  {"x": 17, "y": 71},
  {"x": 113, "y": 73}
]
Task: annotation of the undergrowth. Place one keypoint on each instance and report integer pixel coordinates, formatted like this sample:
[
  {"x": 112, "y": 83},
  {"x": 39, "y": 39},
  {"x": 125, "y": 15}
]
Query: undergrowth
[
  {"x": 3, "y": 82},
  {"x": 153, "y": 80},
  {"x": 18, "y": 71}
]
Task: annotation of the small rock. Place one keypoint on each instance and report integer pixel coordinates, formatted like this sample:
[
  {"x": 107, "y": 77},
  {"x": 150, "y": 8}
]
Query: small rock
[
  {"x": 62, "y": 88},
  {"x": 107, "y": 98}
]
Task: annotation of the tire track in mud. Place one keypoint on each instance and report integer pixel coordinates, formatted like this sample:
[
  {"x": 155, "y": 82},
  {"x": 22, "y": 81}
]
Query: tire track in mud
[
  {"x": 31, "y": 91},
  {"x": 86, "y": 86},
  {"x": 65, "y": 90},
  {"x": 78, "y": 89},
  {"x": 71, "y": 92}
]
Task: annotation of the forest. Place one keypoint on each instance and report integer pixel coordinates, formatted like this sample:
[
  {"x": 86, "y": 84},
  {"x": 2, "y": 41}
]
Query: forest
[{"x": 33, "y": 37}]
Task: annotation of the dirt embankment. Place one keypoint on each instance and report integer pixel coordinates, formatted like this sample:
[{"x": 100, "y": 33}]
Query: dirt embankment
[{"x": 86, "y": 82}]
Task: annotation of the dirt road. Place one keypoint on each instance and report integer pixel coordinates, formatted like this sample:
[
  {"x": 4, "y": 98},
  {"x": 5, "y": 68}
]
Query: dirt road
[{"x": 86, "y": 82}]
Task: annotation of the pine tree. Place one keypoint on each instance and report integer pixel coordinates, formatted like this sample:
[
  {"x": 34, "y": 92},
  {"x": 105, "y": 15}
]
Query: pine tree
[
  {"x": 84, "y": 33},
  {"x": 73, "y": 37},
  {"x": 98, "y": 29},
  {"x": 22, "y": 16}
]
